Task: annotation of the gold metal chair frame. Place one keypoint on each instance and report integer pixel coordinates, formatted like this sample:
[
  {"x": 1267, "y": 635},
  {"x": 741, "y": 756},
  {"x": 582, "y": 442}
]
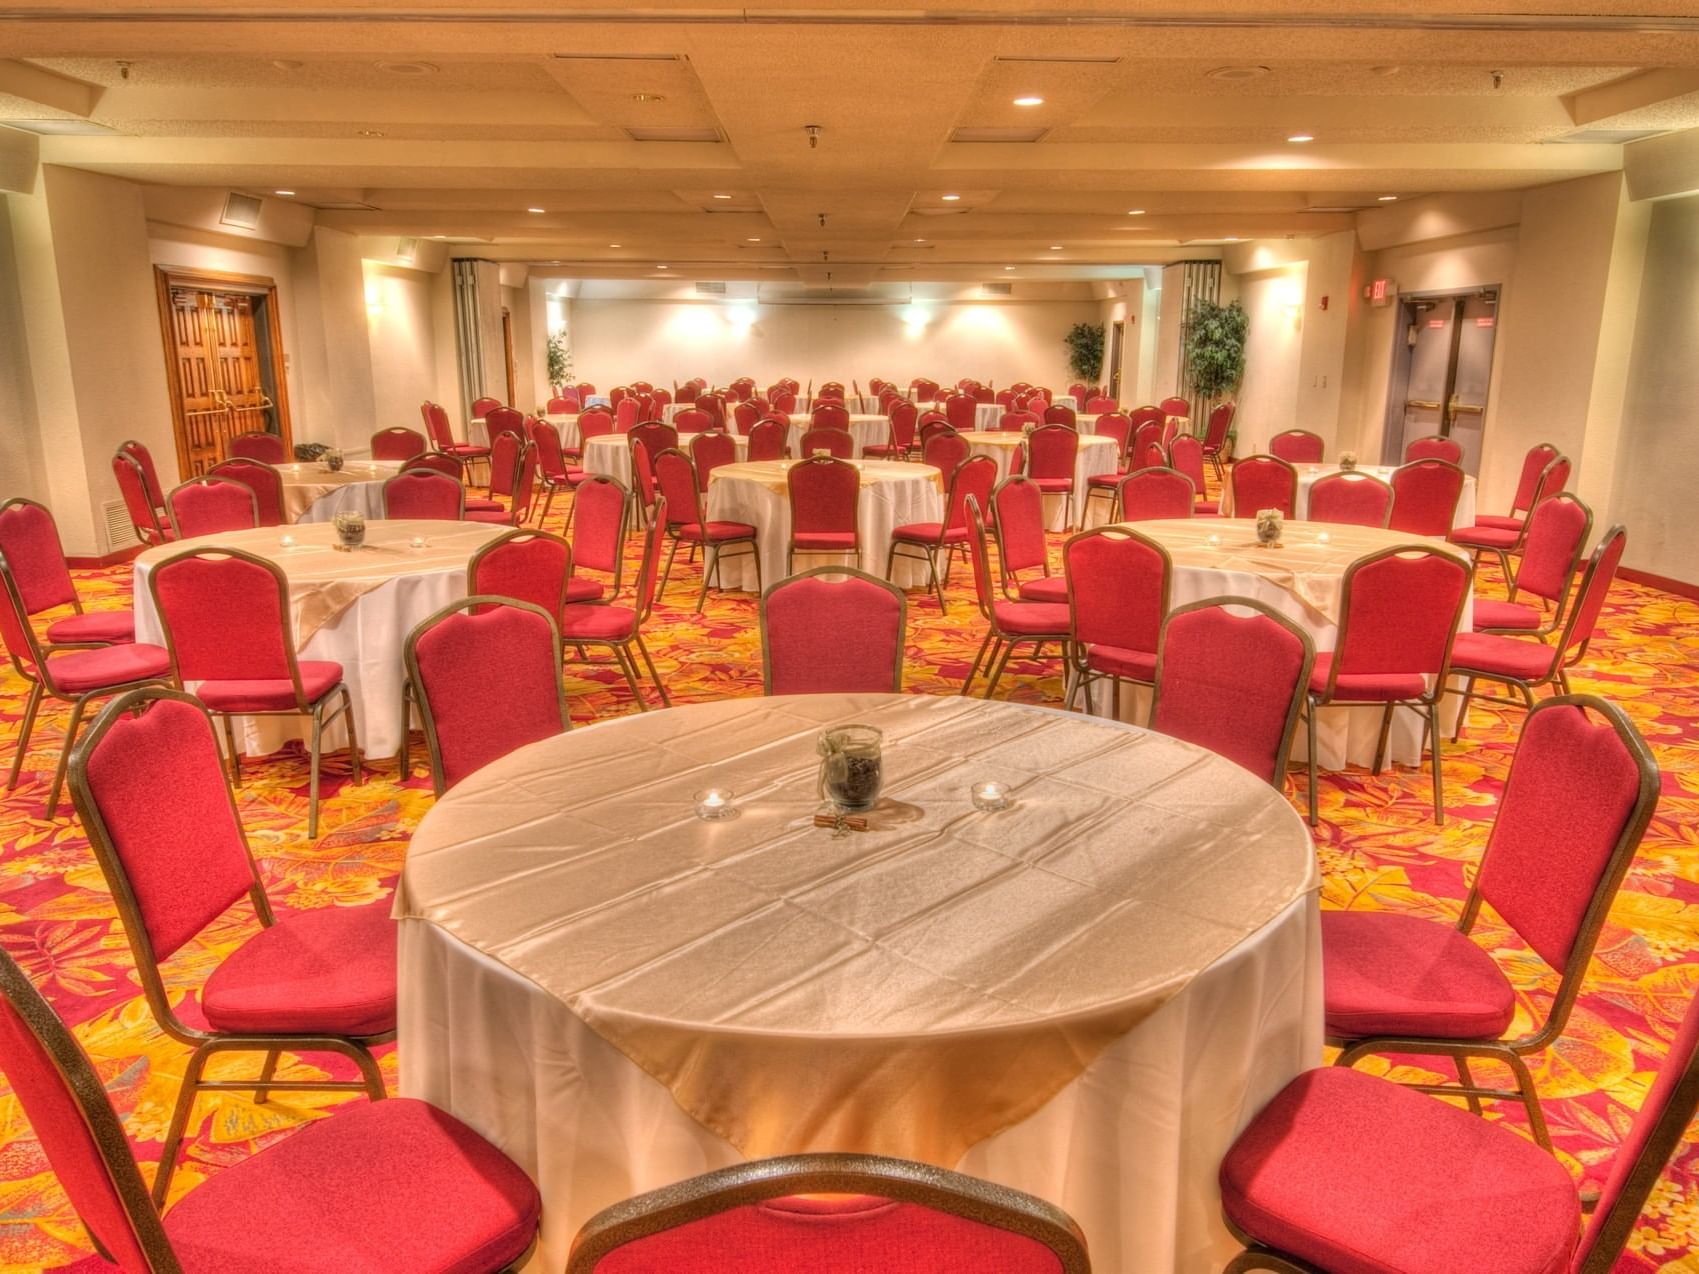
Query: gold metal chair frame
[
  {"x": 207, "y": 480},
  {"x": 928, "y": 553},
  {"x": 840, "y": 572},
  {"x": 996, "y": 641},
  {"x": 1118, "y": 494},
  {"x": 711, "y": 552},
  {"x": 1554, "y": 621},
  {"x": 1515, "y": 550},
  {"x": 1077, "y": 653},
  {"x": 156, "y": 532}
]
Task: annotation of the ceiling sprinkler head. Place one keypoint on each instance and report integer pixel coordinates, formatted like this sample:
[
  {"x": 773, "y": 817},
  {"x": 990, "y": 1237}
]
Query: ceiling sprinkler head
[
  {"x": 813, "y": 131},
  {"x": 822, "y": 217},
  {"x": 1498, "y": 79}
]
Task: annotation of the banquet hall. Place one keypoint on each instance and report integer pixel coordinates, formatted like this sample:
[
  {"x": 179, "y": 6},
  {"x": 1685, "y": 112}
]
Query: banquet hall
[{"x": 840, "y": 639}]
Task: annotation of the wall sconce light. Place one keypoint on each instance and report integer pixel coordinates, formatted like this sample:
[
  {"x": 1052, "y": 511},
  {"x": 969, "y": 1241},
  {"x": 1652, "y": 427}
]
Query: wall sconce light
[
  {"x": 374, "y": 302},
  {"x": 742, "y": 317}
]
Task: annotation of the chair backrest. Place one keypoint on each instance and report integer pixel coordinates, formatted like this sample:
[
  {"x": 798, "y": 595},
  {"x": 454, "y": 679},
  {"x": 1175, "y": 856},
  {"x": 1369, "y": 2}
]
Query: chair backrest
[
  {"x": 831, "y": 1214},
  {"x": 528, "y": 566},
  {"x": 226, "y": 617},
  {"x": 482, "y": 407},
  {"x": 260, "y": 478},
  {"x": 832, "y": 630},
  {"x": 784, "y": 400},
  {"x": 1298, "y": 446},
  {"x": 655, "y": 436},
  {"x": 1099, "y": 406},
  {"x": 1146, "y": 415},
  {"x": 397, "y": 443},
  {"x": 150, "y": 475},
  {"x": 504, "y": 462},
  {"x": 1185, "y": 453},
  {"x": 1349, "y": 499},
  {"x": 1060, "y": 414},
  {"x": 584, "y": 391},
  {"x": 931, "y": 423},
  {"x": 1119, "y": 427},
  {"x": 627, "y": 412},
  {"x": 1149, "y": 454},
  {"x": 1263, "y": 482},
  {"x": 1220, "y": 423},
  {"x": 1534, "y": 464},
  {"x": 594, "y": 423},
  {"x": 925, "y": 389},
  {"x": 29, "y": 541},
  {"x": 1434, "y": 447},
  {"x": 831, "y": 389},
  {"x": 1052, "y": 451},
  {"x": 675, "y": 477},
  {"x": 1153, "y": 493},
  {"x": 839, "y": 443},
  {"x": 485, "y": 672},
  {"x": 132, "y": 485},
  {"x": 715, "y": 406},
  {"x": 424, "y": 494},
  {"x": 1175, "y": 406},
  {"x": 266, "y": 448},
  {"x": 829, "y": 415},
  {"x": 562, "y": 405},
  {"x": 960, "y": 410},
  {"x": 905, "y": 419},
  {"x": 1118, "y": 581},
  {"x": 1399, "y": 612},
  {"x": 945, "y": 450},
  {"x": 1017, "y": 507},
  {"x": 769, "y": 440},
  {"x": 975, "y": 477},
  {"x": 601, "y": 520},
  {"x": 435, "y": 418},
  {"x": 524, "y": 485},
  {"x": 1144, "y": 437},
  {"x": 499, "y": 418},
  {"x": 436, "y": 462},
  {"x": 551, "y": 457},
  {"x": 1233, "y": 682},
  {"x": 1424, "y": 497},
  {"x": 825, "y": 495},
  {"x": 694, "y": 420},
  {"x": 205, "y": 506},
  {"x": 1590, "y": 596},
  {"x": 745, "y": 414},
  {"x": 1551, "y": 554},
  {"x": 1016, "y": 420},
  {"x": 709, "y": 450},
  {"x": 1553, "y": 478}
]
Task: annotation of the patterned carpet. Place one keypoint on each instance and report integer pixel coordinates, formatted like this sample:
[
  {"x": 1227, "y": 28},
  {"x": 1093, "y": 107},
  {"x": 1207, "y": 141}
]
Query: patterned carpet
[{"x": 1378, "y": 850}]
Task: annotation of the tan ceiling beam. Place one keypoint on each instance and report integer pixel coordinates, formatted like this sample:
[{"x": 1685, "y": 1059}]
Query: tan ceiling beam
[
  {"x": 58, "y": 93},
  {"x": 422, "y": 106},
  {"x": 376, "y": 155},
  {"x": 1313, "y": 114},
  {"x": 1632, "y": 93},
  {"x": 1117, "y": 159},
  {"x": 1663, "y": 167}
]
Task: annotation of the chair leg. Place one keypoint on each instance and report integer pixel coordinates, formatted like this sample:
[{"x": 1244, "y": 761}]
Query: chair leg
[
  {"x": 262, "y": 1094},
  {"x": 1530, "y": 1100},
  {"x": 404, "y": 758},
  {"x": 710, "y": 565},
  {"x": 76, "y": 721},
  {"x": 173, "y": 1142},
  {"x": 1008, "y": 653},
  {"x": 1463, "y": 710},
  {"x": 654, "y": 673},
  {"x": 1432, "y": 732},
  {"x": 354, "y": 756},
  {"x": 30, "y": 710},
  {"x": 937, "y": 580},
  {"x": 1468, "y": 1081},
  {"x": 1310, "y": 726},
  {"x": 313, "y": 772},
  {"x": 622, "y": 657},
  {"x": 1385, "y": 732},
  {"x": 234, "y": 757},
  {"x": 661, "y": 588},
  {"x": 978, "y": 658}
]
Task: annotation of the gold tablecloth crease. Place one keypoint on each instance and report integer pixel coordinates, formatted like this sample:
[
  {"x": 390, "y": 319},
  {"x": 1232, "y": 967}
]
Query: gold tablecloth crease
[
  {"x": 304, "y": 485},
  {"x": 771, "y": 474},
  {"x": 908, "y": 990}
]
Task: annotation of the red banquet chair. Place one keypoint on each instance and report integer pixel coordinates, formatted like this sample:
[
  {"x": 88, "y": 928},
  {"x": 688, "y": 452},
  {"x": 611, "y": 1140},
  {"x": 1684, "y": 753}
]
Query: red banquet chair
[
  {"x": 1298, "y": 446},
  {"x": 1434, "y": 447},
  {"x": 769, "y": 439},
  {"x": 424, "y": 495},
  {"x": 654, "y": 435},
  {"x": 227, "y": 625},
  {"x": 450, "y": 467},
  {"x": 1551, "y": 557},
  {"x": 945, "y": 450},
  {"x": 562, "y": 405},
  {"x": 961, "y": 410},
  {"x": 1233, "y": 683},
  {"x": 904, "y": 418},
  {"x": 1185, "y": 453},
  {"x": 1009, "y": 624},
  {"x": 264, "y": 447},
  {"x": 1118, "y": 583},
  {"x": 675, "y": 476},
  {"x": 484, "y": 673},
  {"x": 620, "y": 628},
  {"x": 208, "y": 505},
  {"x": 1398, "y": 615},
  {"x": 1424, "y": 497},
  {"x": 830, "y": 1214},
  {"x": 260, "y": 478},
  {"x": 832, "y": 415},
  {"x": 1263, "y": 482},
  {"x": 838, "y": 443},
  {"x": 482, "y": 407},
  {"x": 1099, "y": 406},
  {"x": 1017, "y": 514},
  {"x": 525, "y": 566},
  {"x": 29, "y": 541},
  {"x": 397, "y": 443},
  {"x": 76, "y": 673},
  {"x": 744, "y": 416},
  {"x": 1175, "y": 406},
  {"x": 435, "y": 417},
  {"x": 1215, "y": 435},
  {"x": 552, "y": 469},
  {"x": 150, "y": 475},
  {"x": 1573, "y": 810},
  {"x": 603, "y": 517},
  {"x": 1052, "y": 452},
  {"x": 151, "y": 522},
  {"x": 1504, "y": 536},
  {"x": 926, "y": 540},
  {"x": 1153, "y": 494},
  {"x": 1060, "y": 414},
  {"x": 1015, "y": 421},
  {"x": 1118, "y": 427},
  {"x": 524, "y": 484},
  {"x": 709, "y": 450},
  {"x": 357, "y": 1174},
  {"x": 1350, "y": 499},
  {"x": 825, "y": 509},
  {"x": 832, "y": 630},
  {"x": 694, "y": 420},
  {"x": 309, "y": 981}
]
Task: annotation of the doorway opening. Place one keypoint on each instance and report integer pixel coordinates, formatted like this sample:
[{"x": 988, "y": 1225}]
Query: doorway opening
[
  {"x": 224, "y": 362},
  {"x": 1442, "y": 365},
  {"x": 1117, "y": 338},
  {"x": 507, "y": 355}
]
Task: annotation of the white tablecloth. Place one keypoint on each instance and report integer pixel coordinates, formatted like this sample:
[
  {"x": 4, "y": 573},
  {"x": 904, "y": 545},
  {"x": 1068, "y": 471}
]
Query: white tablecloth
[
  {"x": 867, "y": 430},
  {"x": 1310, "y": 474},
  {"x": 610, "y": 454},
  {"x": 1095, "y": 456},
  {"x": 312, "y": 494}
]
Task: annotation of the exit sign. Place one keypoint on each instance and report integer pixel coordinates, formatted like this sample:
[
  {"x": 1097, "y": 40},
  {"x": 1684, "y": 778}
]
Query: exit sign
[{"x": 1381, "y": 292}]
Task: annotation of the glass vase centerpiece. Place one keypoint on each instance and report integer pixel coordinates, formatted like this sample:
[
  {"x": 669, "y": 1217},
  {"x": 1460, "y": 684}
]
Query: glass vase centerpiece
[
  {"x": 350, "y": 531},
  {"x": 332, "y": 460},
  {"x": 1271, "y": 525},
  {"x": 1347, "y": 461},
  {"x": 852, "y": 767}
]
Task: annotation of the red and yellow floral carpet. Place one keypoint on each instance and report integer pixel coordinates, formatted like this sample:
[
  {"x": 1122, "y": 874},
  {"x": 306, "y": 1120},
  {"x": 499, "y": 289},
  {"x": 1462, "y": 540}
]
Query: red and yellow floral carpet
[{"x": 1378, "y": 849}]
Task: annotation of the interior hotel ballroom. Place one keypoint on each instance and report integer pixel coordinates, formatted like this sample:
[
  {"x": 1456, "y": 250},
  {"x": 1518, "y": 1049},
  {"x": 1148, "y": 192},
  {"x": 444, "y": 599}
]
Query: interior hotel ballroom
[{"x": 975, "y": 638}]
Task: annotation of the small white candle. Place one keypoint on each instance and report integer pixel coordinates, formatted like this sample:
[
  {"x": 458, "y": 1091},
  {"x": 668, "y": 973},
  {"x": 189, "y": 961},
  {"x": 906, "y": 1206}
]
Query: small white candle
[
  {"x": 417, "y": 542},
  {"x": 1213, "y": 540},
  {"x": 990, "y": 796},
  {"x": 1323, "y": 538},
  {"x": 715, "y": 803},
  {"x": 286, "y": 541}
]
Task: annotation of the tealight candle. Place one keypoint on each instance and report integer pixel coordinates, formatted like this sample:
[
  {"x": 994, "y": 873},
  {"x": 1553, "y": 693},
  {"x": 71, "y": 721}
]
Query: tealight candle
[
  {"x": 991, "y": 796},
  {"x": 286, "y": 541},
  {"x": 1323, "y": 538},
  {"x": 417, "y": 542},
  {"x": 1213, "y": 540},
  {"x": 713, "y": 804}
]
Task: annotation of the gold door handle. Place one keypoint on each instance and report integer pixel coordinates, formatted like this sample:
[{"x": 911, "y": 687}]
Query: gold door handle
[
  {"x": 1422, "y": 404},
  {"x": 1473, "y": 409}
]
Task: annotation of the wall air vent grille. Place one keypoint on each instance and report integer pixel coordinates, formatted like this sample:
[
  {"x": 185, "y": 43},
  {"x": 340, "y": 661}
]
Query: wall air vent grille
[
  {"x": 120, "y": 532},
  {"x": 710, "y": 288},
  {"x": 999, "y": 289},
  {"x": 241, "y": 211}
]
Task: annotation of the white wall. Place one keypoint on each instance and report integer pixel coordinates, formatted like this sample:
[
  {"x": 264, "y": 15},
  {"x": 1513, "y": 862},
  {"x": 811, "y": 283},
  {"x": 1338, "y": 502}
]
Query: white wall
[
  {"x": 20, "y": 442},
  {"x": 401, "y": 326},
  {"x": 1268, "y": 396}
]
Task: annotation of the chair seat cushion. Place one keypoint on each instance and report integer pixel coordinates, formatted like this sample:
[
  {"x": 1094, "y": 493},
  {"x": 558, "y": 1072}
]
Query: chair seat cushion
[
  {"x": 328, "y": 971},
  {"x": 597, "y": 623},
  {"x": 1500, "y": 522},
  {"x": 79, "y": 671},
  {"x": 318, "y": 678},
  {"x": 497, "y": 516},
  {"x": 1508, "y": 615},
  {"x": 714, "y": 532},
  {"x": 1523, "y": 659},
  {"x": 377, "y": 1188},
  {"x": 928, "y": 533},
  {"x": 825, "y": 540},
  {"x": 1052, "y": 486},
  {"x": 480, "y": 504},
  {"x": 884, "y": 449},
  {"x": 95, "y": 625},
  {"x": 1486, "y": 537},
  {"x": 1389, "y": 974},
  {"x": 466, "y": 450},
  {"x": 580, "y": 589},
  {"x": 1357, "y": 1175},
  {"x": 1105, "y": 481},
  {"x": 1366, "y": 687},
  {"x": 1032, "y": 618},
  {"x": 1122, "y": 661},
  {"x": 1207, "y": 508},
  {"x": 1046, "y": 588}
]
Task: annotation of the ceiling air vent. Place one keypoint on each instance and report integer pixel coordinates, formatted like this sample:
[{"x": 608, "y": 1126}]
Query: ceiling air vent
[
  {"x": 1064, "y": 59},
  {"x": 662, "y": 134},
  {"x": 998, "y": 134},
  {"x": 406, "y": 250},
  {"x": 241, "y": 211},
  {"x": 615, "y": 57},
  {"x": 708, "y": 288},
  {"x": 999, "y": 289}
]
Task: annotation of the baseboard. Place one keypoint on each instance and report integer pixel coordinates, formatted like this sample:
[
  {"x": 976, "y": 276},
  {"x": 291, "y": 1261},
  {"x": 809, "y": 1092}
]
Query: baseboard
[
  {"x": 1681, "y": 588},
  {"x": 111, "y": 559}
]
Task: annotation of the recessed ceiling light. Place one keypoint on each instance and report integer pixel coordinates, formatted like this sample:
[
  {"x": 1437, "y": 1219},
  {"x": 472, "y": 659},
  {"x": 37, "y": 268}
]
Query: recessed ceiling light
[
  {"x": 951, "y": 198},
  {"x": 408, "y": 68},
  {"x": 722, "y": 196},
  {"x": 920, "y": 240},
  {"x": 368, "y": 132},
  {"x": 1301, "y": 137},
  {"x": 660, "y": 267},
  {"x": 1055, "y": 247},
  {"x": 752, "y": 240},
  {"x": 1008, "y": 267},
  {"x": 1386, "y": 70},
  {"x": 536, "y": 210},
  {"x": 284, "y": 193},
  {"x": 1135, "y": 212},
  {"x": 1029, "y": 101},
  {"x": 1237, "y": 72},
  {"x": 1388, "y": 198},
  {"x": 647, "y": 97},
  {"x": 1232, "y": 238}
]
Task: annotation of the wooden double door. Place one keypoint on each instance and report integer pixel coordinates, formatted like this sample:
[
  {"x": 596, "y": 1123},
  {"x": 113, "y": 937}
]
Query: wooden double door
[{"x": 224, "y": 362}]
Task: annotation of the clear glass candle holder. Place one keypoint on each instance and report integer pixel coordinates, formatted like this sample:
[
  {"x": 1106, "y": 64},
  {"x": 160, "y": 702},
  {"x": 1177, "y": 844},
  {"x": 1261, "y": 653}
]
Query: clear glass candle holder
[
  {"x": 714, "y": 804},
  {"x": 990, "y": 795}
]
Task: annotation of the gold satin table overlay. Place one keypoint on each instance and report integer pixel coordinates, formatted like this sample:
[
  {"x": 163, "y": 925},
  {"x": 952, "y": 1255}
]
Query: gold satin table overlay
[
  {"x": 1306, "y": 566},
  {"x": 323, "y": 582},
  {"x": 907, "y": 990},
  {"x": 772, "y": 474},
  {"x": 304, "y": 485}
]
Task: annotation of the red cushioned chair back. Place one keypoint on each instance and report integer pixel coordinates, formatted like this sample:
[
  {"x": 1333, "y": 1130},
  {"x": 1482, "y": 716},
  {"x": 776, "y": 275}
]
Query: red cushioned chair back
[
  {"x": 397, "y": 443},
  {"x": 266, "y": 448},
  {"x": 1017, "y": 507},
  {"x": 825, "y": 495},
  {"x": 1118, "y": 426},
  {"x": 15, "y": 630},
  {"x": 784, "y": 401},
  {"x": 840, "y": 443},
  {"x": 983, "y": 394},
  {"x": 1263, "y": 482},
  {"x": 1220, "y": 422},
  {"x": 924, "y": 390},
  {"x": 960, "y": 410},
  {"x": 1434, "y": 447},
  {"x": 1399, "y": 612},
  {"x": 30, "y": 542},
  {"x": 504, "y": 462},
  {"x": 687, "y": 392},
  {"x": 1142, "y": 416},
  {"x": 1004, "y": 398},
  {"x": 1175, "y": 406},
  {"x": 529, "y": 566},
  {"x": 1424, "y": 497},
  {"x": 1233, "y": 683},
  {"x": 1527, "y": 483},
  {"x": 655, "y": 436},
  {"x": 1577, "y": 794},
  {"x": 769, "y": 440},
  {"x": 1154, "y": 493},
  {"x": 829, "y": 416},
  {"x": 601, "y": 516},
  {"x": 930, "y": 422},
  {"x": 905, "y": 420},
  {"x": 1057, "y": 414},
  {"x": 745, "y": 414},
  {"x": 1297, "y": 446},
  {"x": 132, "y": 485},
  {"x": 1117, "y": 588},
  {"x": 1052, "y": 451},
  {"x": 77, "y": 1129},
  {"x": 832, "y": 390},
  {"x": 436, "y": 462},
  {"x": 151, "y": 789},
  {"x": 435, "y": 419},
  {"x": 1553, "y": 479},
  {"x": 499, "y": 418},
  {"x": 1079, "y": 392},
  {"x": 710, "y": 450},
  {"x": 944, "y": 451},
  {"x": 1144, "y": 437},
  {"x": 1015, "y": 421},
  {"x": 1100, "y": 406},
  {"x": 551, "y": 459},
  {"x": 1349, "y": 499},
  {"x": 424, "y": 494},
  {"x": 584, "y": 391},
  {"x": 594, "y": 424},
  {"x": 618, "y": 395},
  {"x": 226, "y": 615},
  {"x": 205, "y": 506},
  {"x": 1185, "y": 453},
  {"x": 692, "y": 420},
  {"x": 488, "y": 682},
  {"x": 975, "y": 478},
  {"x": 715, "y": 406},
  {"x": 675, "y": 476},
  {"x": 482, "y": 407},
  {"x": 626, "y": 413},
  {"x": 1149, "y": 455},
  {"x": 1557, "y": 536},
  {"x": 1595, "y": 586},
  {"x": 260, "y": 478},
  {"x": 150, "y": 475},
  {"x": 562, "y": 405},
  {"x": 832, "y": 630}
]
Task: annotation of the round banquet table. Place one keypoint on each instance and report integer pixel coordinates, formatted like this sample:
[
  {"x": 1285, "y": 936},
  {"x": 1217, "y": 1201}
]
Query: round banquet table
[
  {"x": 312, "y": 493},
  {"x": 1310, "y": 474},
  {"x": 868, "y": 430},
  {"x": 1095, "y": 456},
  {"x": 1302, "y": 581},
  {"x": 1085, "y": 996},
  {"x": 565, "y": 423},
  {"x": 355, "y": 608},
  {"x": 893, "y": 493}
]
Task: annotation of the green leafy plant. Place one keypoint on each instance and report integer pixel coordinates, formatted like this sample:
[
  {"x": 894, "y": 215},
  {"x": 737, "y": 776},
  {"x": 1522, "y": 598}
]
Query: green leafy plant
[
  {"x": 1215, "y": 348},
  {"x": 1085, "y": 349},
  {"x": 560, "y": 358}
]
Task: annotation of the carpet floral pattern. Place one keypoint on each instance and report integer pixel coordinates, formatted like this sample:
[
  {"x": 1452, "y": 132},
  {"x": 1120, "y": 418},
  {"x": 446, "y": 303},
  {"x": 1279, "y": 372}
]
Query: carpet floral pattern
[{"x": 1377, "y": 844}]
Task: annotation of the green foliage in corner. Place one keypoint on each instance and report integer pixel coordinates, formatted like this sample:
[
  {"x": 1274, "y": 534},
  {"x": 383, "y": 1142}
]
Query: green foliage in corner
[
  {"x": 1085, "y": 350},
  {"x": 1215, "y": 348}
]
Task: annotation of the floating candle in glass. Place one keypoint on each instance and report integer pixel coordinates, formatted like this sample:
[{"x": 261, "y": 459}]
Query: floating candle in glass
[
  {"x": 714, "y": 804},
  {"x": 991, "y": 796}
]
